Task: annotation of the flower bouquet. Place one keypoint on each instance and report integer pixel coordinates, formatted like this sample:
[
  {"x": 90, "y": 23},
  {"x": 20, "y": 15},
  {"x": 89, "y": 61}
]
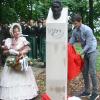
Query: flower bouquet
[
  {"x": 18, "y": 64},
  {"x": 13, "y": 62}
]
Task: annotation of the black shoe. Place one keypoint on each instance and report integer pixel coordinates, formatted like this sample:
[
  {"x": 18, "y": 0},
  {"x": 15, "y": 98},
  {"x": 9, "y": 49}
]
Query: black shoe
[
  {"x": 85, "y": 94},
  {"x": 94, "y": 96}
]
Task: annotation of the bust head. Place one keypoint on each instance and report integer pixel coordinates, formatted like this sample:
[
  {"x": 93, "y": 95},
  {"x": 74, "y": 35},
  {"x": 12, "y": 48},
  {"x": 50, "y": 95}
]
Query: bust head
[{"x": 56, "y": 9}]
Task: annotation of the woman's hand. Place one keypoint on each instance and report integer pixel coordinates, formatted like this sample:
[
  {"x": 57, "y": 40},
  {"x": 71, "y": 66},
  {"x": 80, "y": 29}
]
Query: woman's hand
[
  {"x": 21, "y": 55},
  {"x": 4, "y": 47},
  {"x": 13, "y": 52}
]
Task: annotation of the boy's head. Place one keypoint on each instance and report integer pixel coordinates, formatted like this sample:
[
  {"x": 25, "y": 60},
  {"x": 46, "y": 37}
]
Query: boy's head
[{"x": 77, "y": 20}]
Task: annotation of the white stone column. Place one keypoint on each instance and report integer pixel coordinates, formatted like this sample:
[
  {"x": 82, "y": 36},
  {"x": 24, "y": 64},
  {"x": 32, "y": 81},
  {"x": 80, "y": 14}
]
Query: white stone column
[{"x": 56, "y": 55}]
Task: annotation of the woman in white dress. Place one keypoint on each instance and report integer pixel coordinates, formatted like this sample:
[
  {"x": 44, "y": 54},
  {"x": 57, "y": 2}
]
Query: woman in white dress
[{"x": 17, "y": 85}]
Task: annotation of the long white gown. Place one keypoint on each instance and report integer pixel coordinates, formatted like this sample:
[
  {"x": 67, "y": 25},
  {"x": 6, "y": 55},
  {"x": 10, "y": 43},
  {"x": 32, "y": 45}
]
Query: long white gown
[{"x": 17, "y": 85}]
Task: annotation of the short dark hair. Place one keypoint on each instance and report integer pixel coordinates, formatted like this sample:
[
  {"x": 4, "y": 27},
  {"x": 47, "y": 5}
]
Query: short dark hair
[{"x": 77, "y": 18}]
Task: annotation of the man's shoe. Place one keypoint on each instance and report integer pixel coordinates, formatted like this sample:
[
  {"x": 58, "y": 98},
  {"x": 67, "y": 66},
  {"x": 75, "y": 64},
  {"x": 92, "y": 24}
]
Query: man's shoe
[
  {"x": 85, "y": 94},
  {"x": 94, "y": 96}
]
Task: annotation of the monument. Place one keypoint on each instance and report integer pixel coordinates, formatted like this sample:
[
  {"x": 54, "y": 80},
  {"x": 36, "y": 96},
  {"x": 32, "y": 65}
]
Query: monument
[{"x": 56, "y": 51}]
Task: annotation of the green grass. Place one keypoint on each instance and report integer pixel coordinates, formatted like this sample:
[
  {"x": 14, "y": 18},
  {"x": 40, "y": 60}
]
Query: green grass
[
  {"x": 98, "y": 60},
  {"x": 79, "y": 49}
]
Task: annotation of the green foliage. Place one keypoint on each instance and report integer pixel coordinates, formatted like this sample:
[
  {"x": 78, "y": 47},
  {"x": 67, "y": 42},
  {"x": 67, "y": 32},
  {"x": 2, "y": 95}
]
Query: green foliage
[
  {"x": 8, "y": 15},
  {"x": 96, "y": 9},
  {"x": 78, "y": 6},
  {"x": 98, "y": 58},
  {"x": 22, "y": 9},
  {"x": 36, "y": 9},
  {"x": 39, "y": 10}
]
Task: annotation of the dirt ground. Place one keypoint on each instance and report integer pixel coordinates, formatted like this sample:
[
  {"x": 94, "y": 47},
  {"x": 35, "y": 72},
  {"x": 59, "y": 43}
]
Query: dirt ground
[{"x": 75, "y": 87}]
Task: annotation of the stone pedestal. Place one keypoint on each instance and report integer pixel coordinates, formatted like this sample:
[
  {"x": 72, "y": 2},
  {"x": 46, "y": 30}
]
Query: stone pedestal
[{"x": 56, "y": 55}]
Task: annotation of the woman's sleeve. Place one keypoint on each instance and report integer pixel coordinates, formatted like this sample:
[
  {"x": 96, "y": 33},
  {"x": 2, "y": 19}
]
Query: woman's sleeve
[
  {"x": 7, "y": 43},
  {"x": 25, "y": 41}
]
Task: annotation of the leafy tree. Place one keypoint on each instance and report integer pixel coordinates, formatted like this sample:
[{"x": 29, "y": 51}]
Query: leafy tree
[
  {"x": 11, "y": 10},
  {"x": 8, "y": 15}
]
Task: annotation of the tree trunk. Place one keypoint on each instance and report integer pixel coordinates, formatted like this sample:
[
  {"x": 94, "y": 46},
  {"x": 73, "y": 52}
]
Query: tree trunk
[{"x": 91, "y": 13}]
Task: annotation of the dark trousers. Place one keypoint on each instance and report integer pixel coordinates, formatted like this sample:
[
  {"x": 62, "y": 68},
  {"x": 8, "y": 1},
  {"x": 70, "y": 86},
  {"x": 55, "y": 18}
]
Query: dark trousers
[{"x": 90, "y": 71}]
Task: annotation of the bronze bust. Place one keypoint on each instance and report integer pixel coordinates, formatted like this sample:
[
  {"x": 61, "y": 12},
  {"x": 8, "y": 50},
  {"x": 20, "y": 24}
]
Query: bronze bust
[{"x": 56, "y": 9}]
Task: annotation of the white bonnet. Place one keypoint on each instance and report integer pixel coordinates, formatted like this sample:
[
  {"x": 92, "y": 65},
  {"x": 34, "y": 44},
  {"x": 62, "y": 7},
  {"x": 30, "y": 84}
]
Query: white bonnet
[{"x": 11, "y": 28}]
